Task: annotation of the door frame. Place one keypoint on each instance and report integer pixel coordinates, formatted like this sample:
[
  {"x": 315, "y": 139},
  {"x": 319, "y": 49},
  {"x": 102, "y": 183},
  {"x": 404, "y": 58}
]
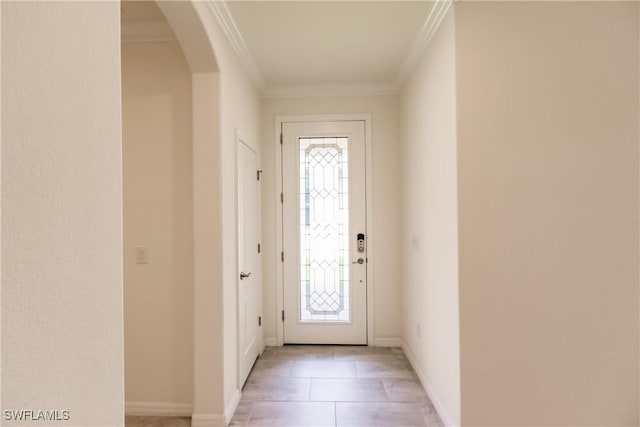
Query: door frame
[
  {"x": 279, "y": 226},
  {"x": 239, "y": 353}
]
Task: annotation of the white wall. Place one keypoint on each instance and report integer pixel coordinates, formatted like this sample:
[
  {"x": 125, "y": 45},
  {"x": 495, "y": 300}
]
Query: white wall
[
  {"x": 430, "y": 222},
  {"x": 61, "y": 211},
  {"x": 548, "y": 212},
  {"x": 239, "y": 111},
  {"x": 158, "y": 213},
  {"x": 224, "y": 101},
  {"x": 386, "y": 201}
]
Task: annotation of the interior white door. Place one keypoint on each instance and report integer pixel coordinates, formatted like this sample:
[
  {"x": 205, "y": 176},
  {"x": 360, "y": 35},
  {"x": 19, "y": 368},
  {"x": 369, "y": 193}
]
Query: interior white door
[
  {"x": 324, "y": 232},
  {"x": 249, "y": 292}
]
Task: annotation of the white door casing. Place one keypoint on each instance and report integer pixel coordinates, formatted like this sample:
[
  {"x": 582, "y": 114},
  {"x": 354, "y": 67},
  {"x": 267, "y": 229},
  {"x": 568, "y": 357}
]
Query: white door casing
[
  {"x": 249, "y": 292},
  {"x": 324, "y": 212}
]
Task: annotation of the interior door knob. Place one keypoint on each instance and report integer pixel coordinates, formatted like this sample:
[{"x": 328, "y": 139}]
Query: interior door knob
[
  {"x": 359, "y": 261},
  {"x": 244, "y": 275}
]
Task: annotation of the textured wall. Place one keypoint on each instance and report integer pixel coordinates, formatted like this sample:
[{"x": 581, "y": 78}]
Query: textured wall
[{"x": 61, "y": 211}]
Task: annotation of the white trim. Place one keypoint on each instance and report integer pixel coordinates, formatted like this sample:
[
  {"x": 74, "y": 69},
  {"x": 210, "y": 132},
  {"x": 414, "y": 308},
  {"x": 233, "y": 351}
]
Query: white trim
[
  {"x": 224, "y": 18},
  {"x": 368, "y": 140},
  {"x": 371, "y": 252},
  {"x": 328, "y": 90},
  {"x": 149, "y": 31},
  {"x": 221, "y": 14},
  {"x": 156, "y": 409},
  {"x": 446, "y": 418},
  {"x": 239, "y": 362},
  {"x": 271, "y": 342},
  {"x": 207, "y": 420},
  {"x": 232, "y": 406},
  {"x": 278, "y": 227},
  {"x": 421, "y": 42},
  {"x": 388, "y": 342}
]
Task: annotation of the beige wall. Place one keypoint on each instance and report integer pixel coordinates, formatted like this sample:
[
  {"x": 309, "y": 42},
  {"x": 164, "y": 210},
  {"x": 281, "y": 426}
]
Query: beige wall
[
  {"x": 386, "y": 201},
  {"x": 430, "y": 222},
  {"x": 61, "y": 211},
  {"x": 548, "y": 212},
  {"x": 158, "y": 213}
]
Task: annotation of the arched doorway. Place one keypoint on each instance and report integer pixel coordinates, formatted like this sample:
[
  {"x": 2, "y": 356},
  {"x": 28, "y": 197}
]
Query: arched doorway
[{"x": 185, "y": 23}]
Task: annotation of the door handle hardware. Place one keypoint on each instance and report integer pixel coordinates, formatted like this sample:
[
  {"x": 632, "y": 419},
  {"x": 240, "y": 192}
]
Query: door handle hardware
[
  {"x": 244, "y": 275},
  {"x": 359, "y": 261}
]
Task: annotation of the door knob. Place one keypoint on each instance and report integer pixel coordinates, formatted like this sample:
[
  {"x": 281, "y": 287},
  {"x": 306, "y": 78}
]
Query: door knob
[
  {"x": 244, "y": 275},
  {"x": 359, "y": 261}
]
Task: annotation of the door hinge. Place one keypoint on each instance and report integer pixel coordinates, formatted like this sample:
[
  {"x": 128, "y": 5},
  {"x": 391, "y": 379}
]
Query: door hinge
[
  {"x": 258, "y": 173},
  {"x": 281, "y": 197},
  {"x": 280, "y": 138},
  {"x": 259, "y": 320},
  {"x": 282, "y": 256},
  {"x": 283, "y": 315},
  {"x": 258, "y": 247}
]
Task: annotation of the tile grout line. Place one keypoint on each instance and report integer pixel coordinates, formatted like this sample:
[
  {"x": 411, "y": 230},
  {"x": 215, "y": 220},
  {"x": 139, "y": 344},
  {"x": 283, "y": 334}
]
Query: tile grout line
[{"x": 385, "y": 382}]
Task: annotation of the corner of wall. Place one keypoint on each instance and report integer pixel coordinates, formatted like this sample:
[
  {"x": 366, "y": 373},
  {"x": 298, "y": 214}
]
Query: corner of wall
[{"x": 444, "y": 414}]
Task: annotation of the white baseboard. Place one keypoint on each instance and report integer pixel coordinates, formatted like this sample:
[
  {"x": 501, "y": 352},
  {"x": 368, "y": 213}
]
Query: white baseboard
[
  {"x": 442, "y": 411},
  {"x": 231, "y": 407},
  {"x": 158, "y": 409},
  {"x": 207, "y": 420},
  {"x": 388, "y": 342},
  {"x": 271, "y": 342}
]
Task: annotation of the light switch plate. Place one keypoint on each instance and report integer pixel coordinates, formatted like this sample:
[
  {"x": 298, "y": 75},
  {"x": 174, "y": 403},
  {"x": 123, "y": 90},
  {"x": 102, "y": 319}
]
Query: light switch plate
[{"x": 142, "y": 254}]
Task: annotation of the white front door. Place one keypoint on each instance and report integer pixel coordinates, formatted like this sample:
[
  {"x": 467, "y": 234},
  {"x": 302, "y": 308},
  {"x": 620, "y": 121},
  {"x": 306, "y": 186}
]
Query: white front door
[
  {"x": 324, "y": 232},
  {"x": 249, "y": 295}
]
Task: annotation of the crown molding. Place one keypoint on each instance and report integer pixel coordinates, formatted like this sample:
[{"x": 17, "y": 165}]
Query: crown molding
[
  {"x": 223, "y": 17},
  {"x": 328, "y": 90},
  {"x": 147, "y": 31},
  {"x": 421, "y": 43}
]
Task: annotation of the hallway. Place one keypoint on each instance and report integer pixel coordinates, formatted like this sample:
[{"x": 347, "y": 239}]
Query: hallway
[{"x": 500, "y": 246}]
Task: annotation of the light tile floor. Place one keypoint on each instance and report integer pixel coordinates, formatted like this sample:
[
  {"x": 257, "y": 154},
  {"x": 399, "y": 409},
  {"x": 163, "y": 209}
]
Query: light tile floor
[
  {"x": 334, "y": 386},
  {"x": 322, "y": 386}
]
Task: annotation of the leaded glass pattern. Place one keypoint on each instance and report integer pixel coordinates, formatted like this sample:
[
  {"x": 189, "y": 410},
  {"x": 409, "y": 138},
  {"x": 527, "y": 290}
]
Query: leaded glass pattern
[{"x": 324, "y": 230}]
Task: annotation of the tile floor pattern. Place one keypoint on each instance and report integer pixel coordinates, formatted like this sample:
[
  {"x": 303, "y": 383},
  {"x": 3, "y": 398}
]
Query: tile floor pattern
[
  {"x": 334, "y": 386},
  {"x": 322, "y": 386}
]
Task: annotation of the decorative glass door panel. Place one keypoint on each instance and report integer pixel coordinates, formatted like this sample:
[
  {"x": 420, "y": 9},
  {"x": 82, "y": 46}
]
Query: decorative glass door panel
[
  {"x": 324, "y": 229},
  {"x": 323, "y": 177}
]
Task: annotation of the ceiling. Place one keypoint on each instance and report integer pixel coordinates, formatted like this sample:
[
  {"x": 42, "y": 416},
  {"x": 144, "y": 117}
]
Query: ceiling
[
  {"x": 327, "y": 44},
  {"x": 308, "y": 47}
]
